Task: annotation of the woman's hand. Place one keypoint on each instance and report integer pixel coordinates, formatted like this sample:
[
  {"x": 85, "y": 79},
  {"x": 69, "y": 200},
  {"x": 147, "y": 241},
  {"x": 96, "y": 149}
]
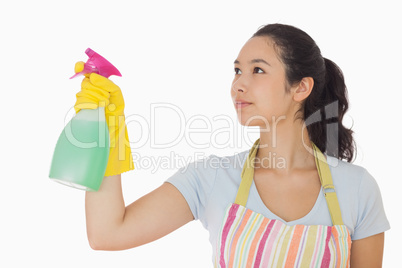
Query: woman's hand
[{"x": 98, "y": 91}]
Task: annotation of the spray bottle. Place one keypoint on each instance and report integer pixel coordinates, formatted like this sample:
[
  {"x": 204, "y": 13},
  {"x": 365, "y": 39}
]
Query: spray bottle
[{"x": 82, "y": 150}]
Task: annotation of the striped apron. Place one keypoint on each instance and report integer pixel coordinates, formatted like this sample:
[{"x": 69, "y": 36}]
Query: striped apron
[{"x": 248, "y": 239}]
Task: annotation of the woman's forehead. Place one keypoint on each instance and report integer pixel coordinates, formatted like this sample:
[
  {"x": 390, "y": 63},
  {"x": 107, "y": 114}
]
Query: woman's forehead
[{"x": 259, "y": 47}]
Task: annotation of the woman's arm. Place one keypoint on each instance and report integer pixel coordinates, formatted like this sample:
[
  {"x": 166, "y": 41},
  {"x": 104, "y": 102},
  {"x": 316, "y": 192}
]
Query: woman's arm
[
  {"x": 367, "y": 252},
  {"x": 112, "y": 226}
]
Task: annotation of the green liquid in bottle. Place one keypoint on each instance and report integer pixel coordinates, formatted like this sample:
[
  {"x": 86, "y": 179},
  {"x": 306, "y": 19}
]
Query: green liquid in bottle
[{"x": 81, "y": 154}]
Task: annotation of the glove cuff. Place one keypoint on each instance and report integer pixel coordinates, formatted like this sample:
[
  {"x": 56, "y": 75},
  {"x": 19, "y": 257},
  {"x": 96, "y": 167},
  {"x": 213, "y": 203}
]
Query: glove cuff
[{"x": 120, "y": 157}]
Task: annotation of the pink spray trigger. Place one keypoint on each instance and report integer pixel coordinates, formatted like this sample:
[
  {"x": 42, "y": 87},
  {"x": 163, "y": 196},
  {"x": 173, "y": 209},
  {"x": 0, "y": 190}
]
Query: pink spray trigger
[{"x": 97, "y": 64}]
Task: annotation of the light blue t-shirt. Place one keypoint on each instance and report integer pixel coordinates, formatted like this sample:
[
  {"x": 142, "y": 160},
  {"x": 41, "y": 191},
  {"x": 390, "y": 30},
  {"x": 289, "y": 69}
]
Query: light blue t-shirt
[{"x": 210, "y": 185}]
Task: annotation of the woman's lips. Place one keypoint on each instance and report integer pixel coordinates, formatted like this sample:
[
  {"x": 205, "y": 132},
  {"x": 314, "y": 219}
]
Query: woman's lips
[{"x": 240, "y": 105}]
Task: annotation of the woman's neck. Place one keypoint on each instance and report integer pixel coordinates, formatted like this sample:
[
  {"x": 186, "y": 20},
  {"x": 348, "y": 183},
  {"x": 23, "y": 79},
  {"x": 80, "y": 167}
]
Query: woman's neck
[{"x": 284, "y": 147}]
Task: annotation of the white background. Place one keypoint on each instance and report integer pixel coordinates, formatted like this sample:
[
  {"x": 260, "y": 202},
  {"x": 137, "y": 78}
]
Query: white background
[{"x": 181, "y": 53}]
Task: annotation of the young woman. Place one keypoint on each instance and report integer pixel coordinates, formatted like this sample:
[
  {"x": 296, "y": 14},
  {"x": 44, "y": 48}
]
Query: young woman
[{"x": 307, "y": 208}]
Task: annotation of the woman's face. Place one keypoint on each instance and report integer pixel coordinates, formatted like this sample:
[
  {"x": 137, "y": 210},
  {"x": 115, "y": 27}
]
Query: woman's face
[{"x": 259, "y": 86}]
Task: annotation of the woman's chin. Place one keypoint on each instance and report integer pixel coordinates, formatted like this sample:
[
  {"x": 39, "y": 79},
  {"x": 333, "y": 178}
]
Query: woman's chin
[{"x": 253, "y": 121}]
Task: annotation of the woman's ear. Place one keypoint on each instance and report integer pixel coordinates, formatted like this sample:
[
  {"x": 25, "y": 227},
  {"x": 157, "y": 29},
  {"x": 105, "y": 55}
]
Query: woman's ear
[{"x": 303, "y": 89}]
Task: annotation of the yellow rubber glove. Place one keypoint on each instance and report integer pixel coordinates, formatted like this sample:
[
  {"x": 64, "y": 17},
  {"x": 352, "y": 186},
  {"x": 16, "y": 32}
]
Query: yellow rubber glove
[{"x": 98, "y": 91}]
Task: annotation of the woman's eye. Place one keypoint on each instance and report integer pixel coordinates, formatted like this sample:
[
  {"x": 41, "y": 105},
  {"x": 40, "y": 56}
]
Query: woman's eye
[{"x": 258, "y": 70}]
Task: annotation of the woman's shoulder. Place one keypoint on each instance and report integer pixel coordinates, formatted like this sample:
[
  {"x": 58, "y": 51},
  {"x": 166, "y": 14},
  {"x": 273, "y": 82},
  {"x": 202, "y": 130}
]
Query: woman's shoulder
[
  {"x": 350, "y": 178},
  {"x": 359, "y": 198},
  {"x": 341, "y": 169}
]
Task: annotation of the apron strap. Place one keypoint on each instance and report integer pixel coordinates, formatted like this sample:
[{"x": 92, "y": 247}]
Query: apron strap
[
  {"x": 328, "y": 186},
  {"x": 247, "y": 176},
  {"x": 324, "y": 173}
]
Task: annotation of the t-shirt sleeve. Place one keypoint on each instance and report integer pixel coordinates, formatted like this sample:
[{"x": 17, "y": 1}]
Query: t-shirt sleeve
[
  {"x": 195, "y": 182},
  {"x": 371, "y": 218}
]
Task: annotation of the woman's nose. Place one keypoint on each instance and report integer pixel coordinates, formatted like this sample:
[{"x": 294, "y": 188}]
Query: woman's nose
[{"x": 239, "y": 85}]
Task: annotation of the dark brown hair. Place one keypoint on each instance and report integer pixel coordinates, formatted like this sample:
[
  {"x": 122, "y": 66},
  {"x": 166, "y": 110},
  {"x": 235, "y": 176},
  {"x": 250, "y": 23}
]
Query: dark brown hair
[{"x": 325, "y": 107}]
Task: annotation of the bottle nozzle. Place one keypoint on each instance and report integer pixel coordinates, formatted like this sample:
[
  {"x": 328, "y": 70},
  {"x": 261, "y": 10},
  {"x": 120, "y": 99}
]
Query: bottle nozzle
[{"x": 97, "y": 64}]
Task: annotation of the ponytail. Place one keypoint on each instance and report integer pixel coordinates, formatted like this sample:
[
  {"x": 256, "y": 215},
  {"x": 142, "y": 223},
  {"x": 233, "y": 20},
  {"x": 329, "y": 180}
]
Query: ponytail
[
  {"x": 325, "y": 107},
  {"x": 328, "y": 133}
]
